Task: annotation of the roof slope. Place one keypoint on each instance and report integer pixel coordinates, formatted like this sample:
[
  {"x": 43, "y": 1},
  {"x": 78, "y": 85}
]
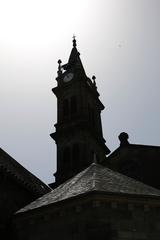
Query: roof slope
[
  {"x": 12, "y": 168},
  {"x": 94, "y": 178}
]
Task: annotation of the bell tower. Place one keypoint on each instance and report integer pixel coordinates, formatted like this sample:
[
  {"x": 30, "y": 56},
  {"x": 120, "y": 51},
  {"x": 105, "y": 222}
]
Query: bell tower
[{"x": 78, "y": 133}]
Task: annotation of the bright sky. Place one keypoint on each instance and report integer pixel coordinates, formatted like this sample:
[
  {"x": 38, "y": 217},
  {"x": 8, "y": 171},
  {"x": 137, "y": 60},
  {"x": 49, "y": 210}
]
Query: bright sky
[{"x": 119, "y": 43}]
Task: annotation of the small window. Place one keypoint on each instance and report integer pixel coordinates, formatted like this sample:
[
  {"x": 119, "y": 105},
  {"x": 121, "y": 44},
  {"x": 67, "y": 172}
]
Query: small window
[
  {"x": 89, "y": 112},
  {"x": 75, "y": 153},
  {"x": 92, "y": 156},
  {"x": 73, "y": 105},
  {"x": 66, "y": 157},
  {"x": 65, "y": 108},
  {"x": 91, "y": 115}
]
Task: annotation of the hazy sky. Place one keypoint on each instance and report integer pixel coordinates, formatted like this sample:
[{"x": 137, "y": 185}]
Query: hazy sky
[{"x": 119, "y": 43}]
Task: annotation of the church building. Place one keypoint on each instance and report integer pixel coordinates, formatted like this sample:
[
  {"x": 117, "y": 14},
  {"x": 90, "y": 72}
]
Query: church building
[{"x": 95, "y": 196}]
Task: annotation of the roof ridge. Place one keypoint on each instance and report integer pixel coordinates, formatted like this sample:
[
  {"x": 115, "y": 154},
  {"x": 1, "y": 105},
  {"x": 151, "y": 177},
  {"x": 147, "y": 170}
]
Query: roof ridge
[
  {"x": 132, "y": 180},
  {"x": 76, "y": 177},
  {"x": 57, "y": 191},
  {"x": 125, "y": 177}
]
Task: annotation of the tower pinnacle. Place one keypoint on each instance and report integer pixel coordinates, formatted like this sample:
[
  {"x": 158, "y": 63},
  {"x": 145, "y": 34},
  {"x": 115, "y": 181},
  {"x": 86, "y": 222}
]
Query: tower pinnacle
[
  {"x": 59, "y": 72},
  {"x": 74, "y": 41}
]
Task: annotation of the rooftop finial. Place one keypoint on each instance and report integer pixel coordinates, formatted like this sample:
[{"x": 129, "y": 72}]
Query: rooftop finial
[
  {"x": 123, "y": 137},
  {"x": 74, "y": 41}
]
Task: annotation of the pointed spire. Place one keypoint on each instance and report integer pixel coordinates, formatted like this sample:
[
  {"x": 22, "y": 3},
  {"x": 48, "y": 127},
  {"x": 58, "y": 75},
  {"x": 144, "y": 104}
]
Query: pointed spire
[
  {"x": 74, "y": 53},
  {"x": 74, "y": 61}
]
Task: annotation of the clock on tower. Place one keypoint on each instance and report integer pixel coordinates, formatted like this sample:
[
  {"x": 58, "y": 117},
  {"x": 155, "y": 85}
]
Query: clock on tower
[
  {"x": 68, "y": 77},
  {"x": 78, "y": 134}
]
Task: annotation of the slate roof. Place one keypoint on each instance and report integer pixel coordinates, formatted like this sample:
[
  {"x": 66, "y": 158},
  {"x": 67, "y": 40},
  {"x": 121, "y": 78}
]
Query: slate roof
[
  {"x": 95, "y": 178},
  {"x": 12, "y": 168}
]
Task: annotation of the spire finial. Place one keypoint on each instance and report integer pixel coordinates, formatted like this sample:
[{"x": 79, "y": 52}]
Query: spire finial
[{"x": 74, "y": 41}]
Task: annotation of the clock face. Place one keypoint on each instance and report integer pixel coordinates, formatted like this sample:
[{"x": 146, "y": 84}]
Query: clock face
[{"x": 68, "y": 77}]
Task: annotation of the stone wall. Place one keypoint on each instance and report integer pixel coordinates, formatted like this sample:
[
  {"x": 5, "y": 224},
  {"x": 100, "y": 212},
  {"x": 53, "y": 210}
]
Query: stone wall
[
  {"x": 94, "y": 217},
  {"x": 13, "y": 196}
]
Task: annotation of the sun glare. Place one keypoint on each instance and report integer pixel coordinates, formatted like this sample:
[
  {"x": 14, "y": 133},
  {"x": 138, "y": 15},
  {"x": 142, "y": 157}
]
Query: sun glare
[{"x": 36, "y": 22}]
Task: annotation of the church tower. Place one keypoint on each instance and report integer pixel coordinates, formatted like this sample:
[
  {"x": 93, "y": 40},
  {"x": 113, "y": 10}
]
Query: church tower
[{"x": 78, "y": 134}]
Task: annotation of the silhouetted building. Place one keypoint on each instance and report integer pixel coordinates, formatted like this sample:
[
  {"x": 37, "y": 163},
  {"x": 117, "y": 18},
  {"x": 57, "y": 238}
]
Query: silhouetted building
[
  {"x": 95, "y": 204},
  {"x": 18, "y": 187},
  {"x": 141, "y": 162},
  {"x": 90, "y": 201}
]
